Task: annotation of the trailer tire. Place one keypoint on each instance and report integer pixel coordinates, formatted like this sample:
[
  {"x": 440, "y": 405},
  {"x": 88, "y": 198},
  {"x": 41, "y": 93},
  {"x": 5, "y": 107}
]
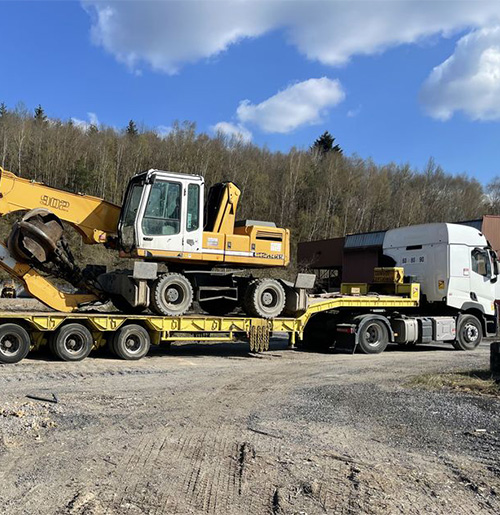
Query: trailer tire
[
  {"x": 373, "y": 336},
  {"x": 264, "y": 298},
  {"x": 15, "y": 343},
  {"x": 131, "y": 342},
  {"x": 469, "y": 333},
  {"x": 171, "y": 295},
  {"x": 71, "y": 342}
]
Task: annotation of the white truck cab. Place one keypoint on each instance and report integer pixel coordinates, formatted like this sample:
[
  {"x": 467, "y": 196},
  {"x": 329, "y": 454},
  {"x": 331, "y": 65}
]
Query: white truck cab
[{"x": 454, "y": 264}]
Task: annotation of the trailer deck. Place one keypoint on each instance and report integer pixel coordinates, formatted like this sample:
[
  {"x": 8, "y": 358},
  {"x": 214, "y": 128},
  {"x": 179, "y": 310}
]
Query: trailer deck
[{"x": 197, "y": 327}]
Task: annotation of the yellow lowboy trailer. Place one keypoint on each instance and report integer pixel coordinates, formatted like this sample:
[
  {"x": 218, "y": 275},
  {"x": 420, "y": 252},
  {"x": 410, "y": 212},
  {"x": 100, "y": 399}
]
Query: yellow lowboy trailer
[{"x": 71, "y": 336}]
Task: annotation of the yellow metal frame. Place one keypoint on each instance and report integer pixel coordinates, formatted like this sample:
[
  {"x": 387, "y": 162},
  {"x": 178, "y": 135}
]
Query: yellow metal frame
[{"x": 209, "y": 328}]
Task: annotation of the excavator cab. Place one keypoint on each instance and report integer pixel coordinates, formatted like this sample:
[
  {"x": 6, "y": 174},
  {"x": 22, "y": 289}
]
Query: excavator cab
[{"x": 162, "y": 213}]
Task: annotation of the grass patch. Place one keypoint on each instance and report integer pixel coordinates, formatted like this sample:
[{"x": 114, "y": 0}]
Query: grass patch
[{"x": 478, "y": 382}]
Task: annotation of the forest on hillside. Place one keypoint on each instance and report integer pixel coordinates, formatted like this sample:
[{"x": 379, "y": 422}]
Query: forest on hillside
[{"x": 316, "y": 192}]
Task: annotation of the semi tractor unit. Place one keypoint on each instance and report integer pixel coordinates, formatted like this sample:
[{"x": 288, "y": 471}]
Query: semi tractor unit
[
  {"x": 458, "y": 276},
  {"x": 163, "y": 220}
]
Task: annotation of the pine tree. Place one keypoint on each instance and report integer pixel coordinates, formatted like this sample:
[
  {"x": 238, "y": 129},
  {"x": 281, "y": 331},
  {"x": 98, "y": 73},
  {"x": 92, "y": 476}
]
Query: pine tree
[
  {"x": 131, "y": 129},
  {"x": 324, "y": 144},
  {"x": 3, "y": 110},
  {"x": 40, "y": 117}
]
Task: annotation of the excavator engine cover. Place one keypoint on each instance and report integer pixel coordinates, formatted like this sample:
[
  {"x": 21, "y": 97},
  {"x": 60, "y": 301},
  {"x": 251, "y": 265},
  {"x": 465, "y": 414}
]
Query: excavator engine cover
[{"x": 35, "y": 238}]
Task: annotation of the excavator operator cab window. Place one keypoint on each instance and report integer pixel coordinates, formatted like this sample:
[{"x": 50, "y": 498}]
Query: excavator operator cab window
[
  {"x": 163, "y": 209},
  {"x": 193, "y": 207}
]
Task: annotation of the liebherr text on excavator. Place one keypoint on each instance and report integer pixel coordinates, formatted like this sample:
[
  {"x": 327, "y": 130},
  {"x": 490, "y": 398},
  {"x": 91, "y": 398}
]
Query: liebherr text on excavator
[{"x": 163, "y": 219}]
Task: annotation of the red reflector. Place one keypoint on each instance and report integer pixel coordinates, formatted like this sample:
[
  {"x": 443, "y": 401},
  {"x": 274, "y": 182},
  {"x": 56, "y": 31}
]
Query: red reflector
[{"x": 348, "y": 330}]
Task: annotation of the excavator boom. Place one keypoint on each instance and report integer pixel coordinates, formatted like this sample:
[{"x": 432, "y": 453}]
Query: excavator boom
[
  {"x": 94, "y": 218},
  {"x": 37, "y": 238}
]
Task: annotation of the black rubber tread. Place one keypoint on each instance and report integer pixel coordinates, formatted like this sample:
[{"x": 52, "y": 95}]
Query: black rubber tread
[
  {"x": 252, "y": 304},
  {"x": 365, "y": 346},
  {"x": 461, "y": 342},
  {"x": 59, "y": 338},
  {"x": 122, "y": 335},
  {"x": 158, "y": 303},
  {"x": 23, "y": 342},
  {"x": 218, "y": 307}
]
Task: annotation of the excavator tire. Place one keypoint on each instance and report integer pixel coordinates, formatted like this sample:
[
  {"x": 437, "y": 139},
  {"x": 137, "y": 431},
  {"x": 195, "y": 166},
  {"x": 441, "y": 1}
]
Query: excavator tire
[
  {"x": 171, "y": 295},
  {"x": 264, "y": 298}
]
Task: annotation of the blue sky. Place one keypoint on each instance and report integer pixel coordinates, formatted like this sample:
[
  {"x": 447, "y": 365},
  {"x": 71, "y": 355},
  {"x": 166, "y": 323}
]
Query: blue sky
[{"x": 304, "y": 67}]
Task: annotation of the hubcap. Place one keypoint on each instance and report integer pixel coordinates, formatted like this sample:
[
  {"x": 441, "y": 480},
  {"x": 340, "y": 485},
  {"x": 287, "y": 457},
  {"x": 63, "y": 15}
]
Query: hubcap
[
  {"x": 372, "y": 335},
  {"x": 133, "y": 343},
  {"x": 471, "y": 333},
  {"x": 74, "y": 343},
  {"x": 9, "y": 344},
  {"x": 173, "y": 294}
]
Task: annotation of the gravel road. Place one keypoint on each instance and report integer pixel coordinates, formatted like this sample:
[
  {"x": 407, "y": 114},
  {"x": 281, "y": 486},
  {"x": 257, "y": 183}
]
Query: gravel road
[{"x": 208, "y": 429}]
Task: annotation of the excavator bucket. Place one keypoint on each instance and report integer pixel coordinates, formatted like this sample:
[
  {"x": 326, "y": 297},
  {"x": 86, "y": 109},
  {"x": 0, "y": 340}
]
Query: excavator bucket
[{"x": 35, "y": 238}]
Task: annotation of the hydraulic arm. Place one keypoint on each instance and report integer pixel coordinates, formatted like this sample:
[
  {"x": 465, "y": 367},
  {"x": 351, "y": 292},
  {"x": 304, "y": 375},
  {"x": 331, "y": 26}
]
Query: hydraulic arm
[{"x": 36, "y": 242}]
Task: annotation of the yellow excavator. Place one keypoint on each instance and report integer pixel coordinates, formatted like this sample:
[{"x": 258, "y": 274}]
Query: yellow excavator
[{"x": 163, "y": 219}]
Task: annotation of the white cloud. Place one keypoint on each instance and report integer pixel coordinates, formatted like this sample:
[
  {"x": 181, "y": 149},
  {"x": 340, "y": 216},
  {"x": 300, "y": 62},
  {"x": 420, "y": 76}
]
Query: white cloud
[
  {"x": 352, "y": 113},
  {"x": 163, "y": 131},
  {"x": 167, "y": 34},
  {"x": 84, "y": 124},
  {"x": 238, "y": 132},
  {"x": 468, "y": 81},
  {"x": 303, "y": 103}
]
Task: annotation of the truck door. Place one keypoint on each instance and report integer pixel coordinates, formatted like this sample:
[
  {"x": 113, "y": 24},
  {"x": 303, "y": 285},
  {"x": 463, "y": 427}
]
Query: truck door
[{"x": 482, "y": 288}]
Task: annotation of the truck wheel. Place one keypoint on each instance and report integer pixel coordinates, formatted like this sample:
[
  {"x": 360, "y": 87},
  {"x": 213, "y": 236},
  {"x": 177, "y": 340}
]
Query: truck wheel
[
  {"x": 71, "y": 342},
  {"x": 131, "y": 342},
  {"x": 14, "y": 343},
  {"x": 373, "y": 336},
  {"x": 469, "y": 333},
  {"x": 171, "y": 295},
  {"x": 218, "y": 307},
  {"x": 264, "y": 298}
]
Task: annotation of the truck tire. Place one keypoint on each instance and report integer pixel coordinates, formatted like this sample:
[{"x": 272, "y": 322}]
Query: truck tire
[
  {"x": 171, "y": 295},
  {"x": 264, "y": 298},
  {"x": 71, "y": 342},
  {"x": 15, "y": 343},
  {"x": 319, "y": 333},
  {"x": 218, "y": 307},
  {"x": 469, "y": 333},
  {"x": 131, "y": 342},
  {"x": 373, "y": 336}
]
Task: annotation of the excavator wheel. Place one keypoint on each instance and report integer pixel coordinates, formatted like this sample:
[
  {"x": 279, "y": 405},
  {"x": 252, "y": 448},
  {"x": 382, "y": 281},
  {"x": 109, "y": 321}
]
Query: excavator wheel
[
  {"x": 171, "y": 295},
  {"x": 264, "y": 298}
]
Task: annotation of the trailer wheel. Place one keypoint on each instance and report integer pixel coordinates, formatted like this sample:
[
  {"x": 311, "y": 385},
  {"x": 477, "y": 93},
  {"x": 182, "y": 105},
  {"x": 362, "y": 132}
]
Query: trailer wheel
[
  {"x": 373, "y": 336},
  {"x": 171, "y": 295},
  {"x": 14, "y": 343},
  {"x": 469, "y": 333},
  {"x": 71, "y": 342},
  {"x": 264, "y": 298},
  {"x": 131, "y": 342}
]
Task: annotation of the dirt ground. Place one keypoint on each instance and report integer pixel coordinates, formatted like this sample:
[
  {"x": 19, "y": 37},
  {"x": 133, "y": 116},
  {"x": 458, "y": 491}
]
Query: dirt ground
[{"x": 208, "y": 429}]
